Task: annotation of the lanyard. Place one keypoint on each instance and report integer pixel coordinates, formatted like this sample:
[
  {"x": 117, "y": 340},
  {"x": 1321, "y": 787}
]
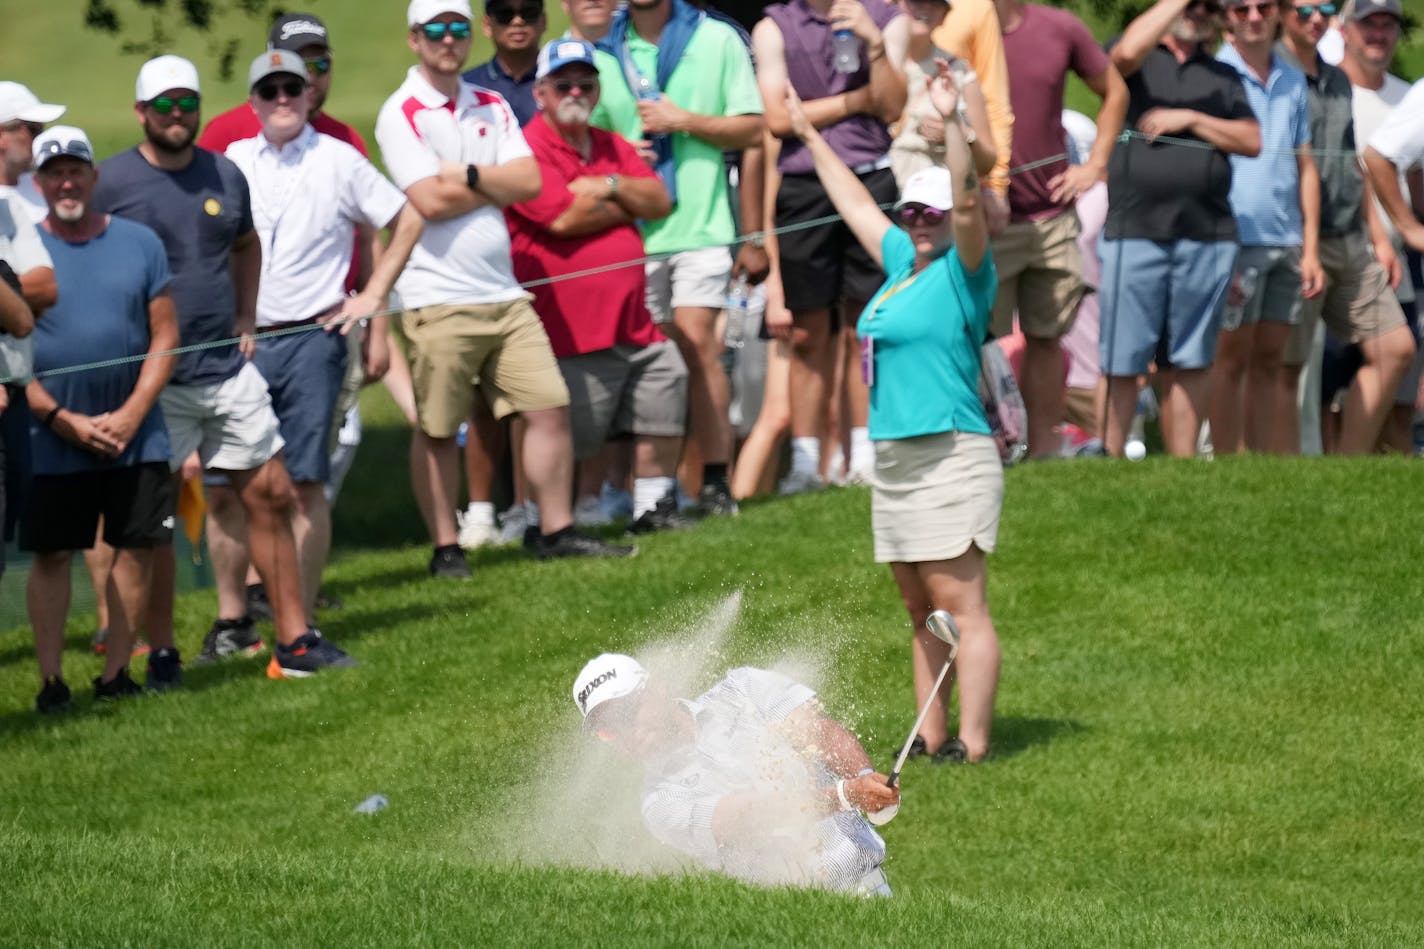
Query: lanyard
[{"x": 880, "y": 300}]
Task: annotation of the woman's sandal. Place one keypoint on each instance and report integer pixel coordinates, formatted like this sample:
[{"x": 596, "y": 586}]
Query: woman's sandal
[{"x": 951, "y": 752}]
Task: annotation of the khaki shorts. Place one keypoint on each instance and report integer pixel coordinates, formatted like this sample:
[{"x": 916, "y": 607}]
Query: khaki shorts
[
  {"x": 1357, "y": 303},
  {"x": 230, "y": 424},
  {"x": 690, "y": 278},
  {"x": 625, "y": 390},
  {"x": 500, "y": 347},
  {"x": 933, "y": 496},
  {"x": 1040, "y": 276}
]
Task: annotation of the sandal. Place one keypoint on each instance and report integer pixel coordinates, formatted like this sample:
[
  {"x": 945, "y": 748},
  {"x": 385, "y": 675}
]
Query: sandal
[{"x": 951, "y": 752}]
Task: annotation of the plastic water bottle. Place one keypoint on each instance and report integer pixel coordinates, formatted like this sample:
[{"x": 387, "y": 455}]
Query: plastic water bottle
[
  {"x": 1242, "y": 289},
  {"x": 372, "y": 804},
  {"x": 847, "y": 52},
  {"x": 738, "y": 304}
]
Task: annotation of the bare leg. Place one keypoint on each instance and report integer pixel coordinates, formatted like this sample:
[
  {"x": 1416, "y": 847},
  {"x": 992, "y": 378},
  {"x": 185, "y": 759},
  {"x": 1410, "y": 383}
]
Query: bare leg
[
  {"x": 1185, "y": 395},
  {"x": 927, "y": 655},
  {"x": 1263, "y": 407},
  {"x": 1228, "y": 390},
  {"x": 958, "y": 586},
  {"x": 127, "y": 592},
  {"x": 810, "y": 372},
  {"x": 1041, "y": 381},
  {"x": 1371, "y": 395},
  {"x": 162, "y": 588},
  {"x": 47, "y": 601},
  {"x": 655, "y": 456},
  {"x": 694, "y": 330},
  {"x": 98, "y": 561},
  {"x": 1120, "y": 405},
  {"x": 549, "y": 466},
  {"x": 227, "y": 547},
  {"x": 755, "y": 470},
  {"x": 1286, "y": 438},
  {"x": 434, "y": 470},
  {"x": 485, "y": 445},
  {"x": 311, "y": 527},
  {"x": 397, "y": 378},
  {"x": 269, "y": 498}
]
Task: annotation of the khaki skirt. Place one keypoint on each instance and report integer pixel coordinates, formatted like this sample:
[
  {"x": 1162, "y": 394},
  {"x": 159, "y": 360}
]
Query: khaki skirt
[{"x": 933, "y": 496}]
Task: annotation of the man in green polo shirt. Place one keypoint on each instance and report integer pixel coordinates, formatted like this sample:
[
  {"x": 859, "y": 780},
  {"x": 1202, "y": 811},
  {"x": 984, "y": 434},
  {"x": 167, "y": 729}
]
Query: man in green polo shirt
[{"x": 681, "y": 84}]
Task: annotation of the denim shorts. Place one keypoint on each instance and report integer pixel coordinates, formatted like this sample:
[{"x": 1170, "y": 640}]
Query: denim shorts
[{"x": 1162, "y": 301}]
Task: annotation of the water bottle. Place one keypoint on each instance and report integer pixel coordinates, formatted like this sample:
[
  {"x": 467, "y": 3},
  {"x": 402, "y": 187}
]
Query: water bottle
[
  {"x": 1242, "y": 289},
  {"x": 738, "y": 304},
  {"x": 847, "y": 52}
]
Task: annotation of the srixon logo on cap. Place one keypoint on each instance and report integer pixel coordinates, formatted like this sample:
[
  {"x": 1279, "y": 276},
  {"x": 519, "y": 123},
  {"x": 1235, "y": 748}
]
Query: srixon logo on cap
[{"x": 588, "y": 689}]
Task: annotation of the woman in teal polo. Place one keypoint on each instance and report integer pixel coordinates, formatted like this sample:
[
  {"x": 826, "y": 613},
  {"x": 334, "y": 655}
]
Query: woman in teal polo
[{"x": 938, "y": 483}]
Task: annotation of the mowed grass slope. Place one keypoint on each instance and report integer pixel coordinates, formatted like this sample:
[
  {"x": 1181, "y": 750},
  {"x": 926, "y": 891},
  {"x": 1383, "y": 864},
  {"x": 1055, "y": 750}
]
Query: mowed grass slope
[{"x": 1207, "y": 734}]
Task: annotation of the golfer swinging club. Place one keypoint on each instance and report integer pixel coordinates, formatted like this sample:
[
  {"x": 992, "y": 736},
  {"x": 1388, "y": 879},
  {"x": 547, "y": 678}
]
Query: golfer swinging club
[{"x": 751, "y": 778}]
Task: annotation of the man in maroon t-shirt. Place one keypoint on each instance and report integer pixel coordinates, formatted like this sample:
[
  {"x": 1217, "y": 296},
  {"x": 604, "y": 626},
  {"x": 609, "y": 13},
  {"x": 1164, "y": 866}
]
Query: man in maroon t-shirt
[
  {"x": 624, "y": 377},
  {"x": 1040, "y": 269}
]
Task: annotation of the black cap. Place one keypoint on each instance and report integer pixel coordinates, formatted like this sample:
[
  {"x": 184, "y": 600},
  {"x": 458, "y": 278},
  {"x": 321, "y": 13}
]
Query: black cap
[{"x": 296, "y": 31}]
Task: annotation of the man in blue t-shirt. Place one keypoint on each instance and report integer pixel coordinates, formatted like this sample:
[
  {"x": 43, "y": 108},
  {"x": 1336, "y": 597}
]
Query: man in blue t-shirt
[
  {"x": 217, "y": 403},
  {"x": 97, "y": 441}
]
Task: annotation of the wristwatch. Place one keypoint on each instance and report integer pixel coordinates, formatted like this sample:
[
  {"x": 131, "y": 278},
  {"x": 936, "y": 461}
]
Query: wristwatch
[
  {"x": 612, "y": 181},
  {"x": 472, "y": 177}
]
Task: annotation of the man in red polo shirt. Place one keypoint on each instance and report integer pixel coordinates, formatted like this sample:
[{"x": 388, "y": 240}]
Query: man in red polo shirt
[{"x": 624, "y": 377}]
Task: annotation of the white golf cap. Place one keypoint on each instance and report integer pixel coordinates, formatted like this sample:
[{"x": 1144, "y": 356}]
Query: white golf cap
[
  {"x": 60, "y": 141},
  {"x": 162, "y": 74},
  {"x": 423, "y": 11},
  {"x": 276, "y": 62},
  {"x": 19, "y": 104},
  {"x": 930, "y": 187},
  {"x": 610, "y": 676}
]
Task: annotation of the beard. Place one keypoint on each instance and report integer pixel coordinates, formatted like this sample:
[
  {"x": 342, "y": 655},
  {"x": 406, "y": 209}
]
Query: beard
[
  {"x": 72, "y": 212},
  {"x": 174, "y": 138},
  {"x": 573, "y": 111}
]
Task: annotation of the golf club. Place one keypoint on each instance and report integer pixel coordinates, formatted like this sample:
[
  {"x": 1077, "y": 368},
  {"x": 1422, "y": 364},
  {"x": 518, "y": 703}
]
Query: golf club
[{"x": 941, "y": 625}]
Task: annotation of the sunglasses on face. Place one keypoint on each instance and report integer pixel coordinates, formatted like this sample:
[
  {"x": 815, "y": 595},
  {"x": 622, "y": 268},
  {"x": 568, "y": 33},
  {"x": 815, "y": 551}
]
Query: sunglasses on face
[
  {"x": 564, "y": 86},
  {"x": 529, "y": 13},
  {"x": 163, "y": 105},
  {"x": 291, "y": 88},
  {"x": 319, "y": 67},
  {"x": 1310, "y": 9},
  {"x": 435, "y": 32},
  {"x": 1242, "y": 11},
  {"x": 912, "y": 214}
]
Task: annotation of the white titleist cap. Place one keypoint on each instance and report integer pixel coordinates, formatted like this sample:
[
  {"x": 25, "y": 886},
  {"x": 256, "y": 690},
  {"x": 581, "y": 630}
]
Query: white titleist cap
[
  {"x": 423, "y": 11},
  {"x": 19, "y": 104},
  {"x": 162, "y": 74},
  {"x": 610, "y": 676},
  {"x": 930, "y": 187}
]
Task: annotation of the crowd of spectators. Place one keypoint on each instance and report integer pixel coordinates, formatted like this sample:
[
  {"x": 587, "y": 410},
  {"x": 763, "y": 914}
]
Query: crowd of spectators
[{"x": 558, "y": 238}]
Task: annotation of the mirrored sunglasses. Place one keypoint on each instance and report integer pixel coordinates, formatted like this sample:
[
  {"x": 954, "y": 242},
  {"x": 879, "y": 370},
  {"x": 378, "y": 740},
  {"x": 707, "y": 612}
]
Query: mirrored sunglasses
[{"x": 163, "y": 105}]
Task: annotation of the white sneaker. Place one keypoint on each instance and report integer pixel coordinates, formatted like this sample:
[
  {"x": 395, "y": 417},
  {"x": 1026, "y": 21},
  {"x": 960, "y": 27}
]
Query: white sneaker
[
  {"x": 474, "y": 533},
  {"x": 512, "y": 524},
  {"x": 589, "y": 512},
  {"x": 800, "y": 482},
  {"x": 859, "y": 475}
]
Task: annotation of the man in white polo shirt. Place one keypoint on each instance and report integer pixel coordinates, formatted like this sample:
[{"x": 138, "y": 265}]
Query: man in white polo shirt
[
  {"x": 309, "y": 194},
  {"x": 456, "y": 150}
]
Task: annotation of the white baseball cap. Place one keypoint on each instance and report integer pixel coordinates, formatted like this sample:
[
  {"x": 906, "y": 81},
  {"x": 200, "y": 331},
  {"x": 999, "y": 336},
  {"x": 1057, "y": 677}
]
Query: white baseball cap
[
  {"x": 59, "y": 141},
  {"x": 610, "y": 676},
  {"x": 19, "y": 104},
  {"x": 162, "y": 74},
  {"x": 930, "y": 187},
  {"x": 423, "y": 11}
]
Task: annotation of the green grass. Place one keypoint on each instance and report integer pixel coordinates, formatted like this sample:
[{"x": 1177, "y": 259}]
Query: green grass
[{"x": 1207, "y": 734}]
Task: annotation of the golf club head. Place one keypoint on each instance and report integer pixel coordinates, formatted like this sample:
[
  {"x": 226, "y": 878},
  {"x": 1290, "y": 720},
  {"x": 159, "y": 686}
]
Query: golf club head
[
  {"x": 942, "y": 626},
  {"x": 883, "y": 816}
]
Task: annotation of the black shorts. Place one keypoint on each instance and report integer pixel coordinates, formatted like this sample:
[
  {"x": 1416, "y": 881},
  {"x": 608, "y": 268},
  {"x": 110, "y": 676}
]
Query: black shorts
[
  {"x": 824, "y": 265},
  {"x": 137, "y": 504}
]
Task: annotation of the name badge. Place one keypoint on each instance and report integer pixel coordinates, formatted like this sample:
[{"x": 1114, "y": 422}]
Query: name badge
[{"x": 867, "y": 360}]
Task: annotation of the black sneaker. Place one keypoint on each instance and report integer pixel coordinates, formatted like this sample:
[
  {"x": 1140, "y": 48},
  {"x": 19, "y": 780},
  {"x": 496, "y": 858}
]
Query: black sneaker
[
  {"x": 120, "y": 686},
  {"x": 306, "y": 657},
  {"x": 258, "y": 606},
  {"x": 165, "y": 670},
  {"x": 448, "y": 563},
  {"x": 53, "y": 698},
  {"x": 230, "y": 637},
  {"x": 715, "y": 499},
  {"x": 664, "y": 516},
  {"x": 570, "y": 543}
]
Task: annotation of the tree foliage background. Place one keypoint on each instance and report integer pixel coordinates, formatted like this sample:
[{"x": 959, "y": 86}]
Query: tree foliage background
[{"x": 148, "y": 27}]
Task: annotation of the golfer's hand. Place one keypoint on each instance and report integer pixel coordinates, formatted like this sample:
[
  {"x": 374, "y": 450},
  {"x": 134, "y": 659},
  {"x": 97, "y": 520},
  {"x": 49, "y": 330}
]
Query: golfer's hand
[{"x": 870, "y": 792}]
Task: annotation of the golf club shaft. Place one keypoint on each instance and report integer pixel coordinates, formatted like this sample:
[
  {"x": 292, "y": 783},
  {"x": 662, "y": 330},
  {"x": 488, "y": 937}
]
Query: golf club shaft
[{"x": 924, "y": 710}]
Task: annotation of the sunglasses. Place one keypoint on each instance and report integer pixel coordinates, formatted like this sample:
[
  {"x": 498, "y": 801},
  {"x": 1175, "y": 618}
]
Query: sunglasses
[
  {"x": 911, "y": 215},
  {"x": 435, "y": 32},
  {"x": 1243, "y": 11},
  {"x": 163, "y": 105},
  {"x": 564, "y": 86},
  {"x": 528, "y": 12},
  {"x": 319, "y": 67},
  {"x": 291, "y": 88},
  {"x": 73, "y": 148},
  {"x": 1310, "y": 9}
]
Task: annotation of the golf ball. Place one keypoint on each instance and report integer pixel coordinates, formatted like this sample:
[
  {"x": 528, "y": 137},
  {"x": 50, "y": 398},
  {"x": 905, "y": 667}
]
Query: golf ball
[{"x": 1135, "y": 451}]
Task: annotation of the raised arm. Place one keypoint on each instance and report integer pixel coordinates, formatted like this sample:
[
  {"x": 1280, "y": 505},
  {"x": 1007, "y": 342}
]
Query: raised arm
[
  {"x": 853, "y": 202},
  {"x": 1144, "y": 33},
  {"x": 971, "y": 231}
]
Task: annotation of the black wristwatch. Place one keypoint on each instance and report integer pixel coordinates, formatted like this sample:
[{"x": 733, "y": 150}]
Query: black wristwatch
[{"x": 472, "y": 177}]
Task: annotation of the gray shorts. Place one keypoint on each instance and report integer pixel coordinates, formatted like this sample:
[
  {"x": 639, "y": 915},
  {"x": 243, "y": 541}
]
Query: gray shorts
[
  {"x": 1275, "y": 298},
  {"x": 625, "y": 390}
]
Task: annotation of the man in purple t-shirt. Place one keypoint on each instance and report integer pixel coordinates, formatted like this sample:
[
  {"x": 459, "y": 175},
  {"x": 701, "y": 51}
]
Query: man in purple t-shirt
[
  {"x": 1040, "y": 268},
  {"x": 826, "y": 277}
]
